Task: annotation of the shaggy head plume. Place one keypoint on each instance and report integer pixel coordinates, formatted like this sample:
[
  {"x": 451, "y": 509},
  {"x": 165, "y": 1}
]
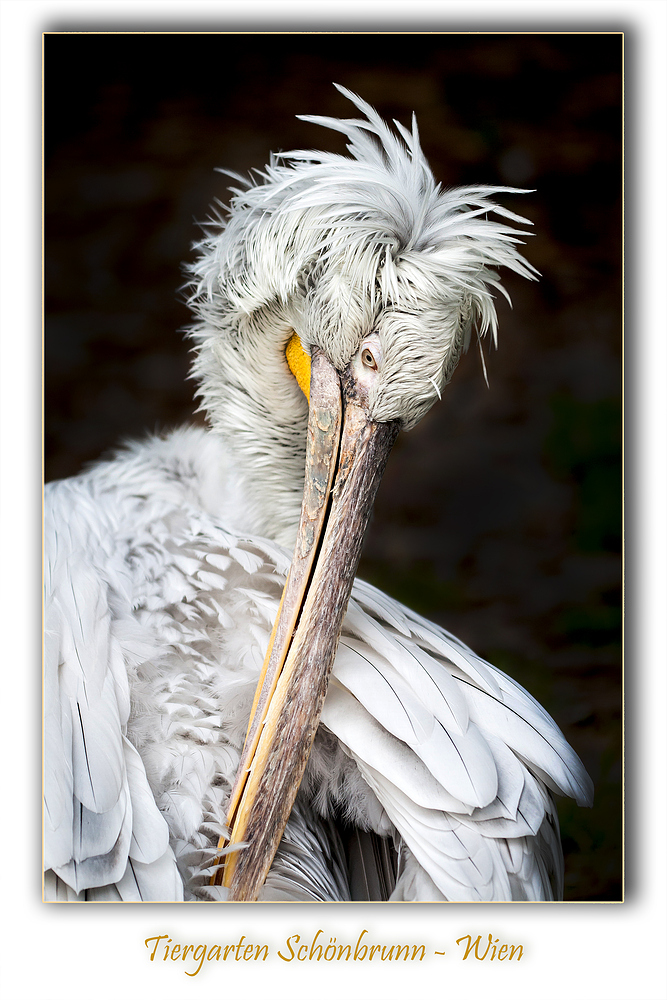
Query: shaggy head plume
[{"x": 337, "y": 248}]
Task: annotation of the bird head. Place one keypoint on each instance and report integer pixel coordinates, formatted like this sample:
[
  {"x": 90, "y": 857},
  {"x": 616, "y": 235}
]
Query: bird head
[
  {"x": 341, "y": 249},
  {"x": 353, "y": 283}
]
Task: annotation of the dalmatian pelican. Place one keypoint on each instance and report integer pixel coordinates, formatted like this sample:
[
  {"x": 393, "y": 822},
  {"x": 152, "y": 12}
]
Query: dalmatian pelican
[{"x": 229, "y": 713}]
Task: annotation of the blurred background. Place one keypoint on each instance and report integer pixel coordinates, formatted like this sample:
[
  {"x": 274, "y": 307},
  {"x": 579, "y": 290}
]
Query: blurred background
[{"x": 499, "y": 515}]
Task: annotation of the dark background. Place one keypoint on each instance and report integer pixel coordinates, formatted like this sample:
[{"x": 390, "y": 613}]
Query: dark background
[{"x": 499, "y": 516}]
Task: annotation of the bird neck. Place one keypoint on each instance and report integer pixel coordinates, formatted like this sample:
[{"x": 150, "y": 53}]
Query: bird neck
[{"x": 255, "y": 405}]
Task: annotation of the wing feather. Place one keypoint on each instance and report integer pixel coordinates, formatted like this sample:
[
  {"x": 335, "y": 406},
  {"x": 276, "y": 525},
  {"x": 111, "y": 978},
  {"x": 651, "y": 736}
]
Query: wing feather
[
  {"x": 376, "y": 684},
  {"x": 369, "y": 742},
  {"x": 537, "y": 741},
  {"x": 99, "y": 809}
]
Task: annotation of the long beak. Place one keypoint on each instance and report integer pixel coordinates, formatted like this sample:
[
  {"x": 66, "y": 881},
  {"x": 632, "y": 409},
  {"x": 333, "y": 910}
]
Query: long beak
[{"x": 346, "y": 456}]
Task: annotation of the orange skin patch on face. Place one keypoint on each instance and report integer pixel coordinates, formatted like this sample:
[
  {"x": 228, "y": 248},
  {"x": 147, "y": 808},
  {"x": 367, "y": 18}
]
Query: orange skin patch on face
[{"x": 299, "y": 364}]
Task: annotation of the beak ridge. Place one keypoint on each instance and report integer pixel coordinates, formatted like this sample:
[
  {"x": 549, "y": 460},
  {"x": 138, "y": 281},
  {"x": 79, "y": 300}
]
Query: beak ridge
[{"x": 346, "y": 456}]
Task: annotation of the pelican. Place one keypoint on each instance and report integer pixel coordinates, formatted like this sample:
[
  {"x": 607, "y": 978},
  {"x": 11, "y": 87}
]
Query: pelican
[{"x": 229, "y": 713}]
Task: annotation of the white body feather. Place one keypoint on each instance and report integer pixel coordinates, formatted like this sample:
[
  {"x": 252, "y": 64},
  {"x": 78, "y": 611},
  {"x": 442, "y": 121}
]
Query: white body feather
[
  {"x": 165, "y": 568},
  {"x": 158, "y": 619}
]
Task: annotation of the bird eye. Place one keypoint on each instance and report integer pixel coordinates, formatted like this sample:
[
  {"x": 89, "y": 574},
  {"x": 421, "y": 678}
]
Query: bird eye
[
  {"x": 368, "y": 359},
  {"x": 369, "y": 356}
]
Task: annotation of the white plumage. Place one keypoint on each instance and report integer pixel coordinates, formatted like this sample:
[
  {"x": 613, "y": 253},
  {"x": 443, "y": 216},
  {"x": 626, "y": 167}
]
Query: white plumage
[{"x": 165, "y": 568}]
